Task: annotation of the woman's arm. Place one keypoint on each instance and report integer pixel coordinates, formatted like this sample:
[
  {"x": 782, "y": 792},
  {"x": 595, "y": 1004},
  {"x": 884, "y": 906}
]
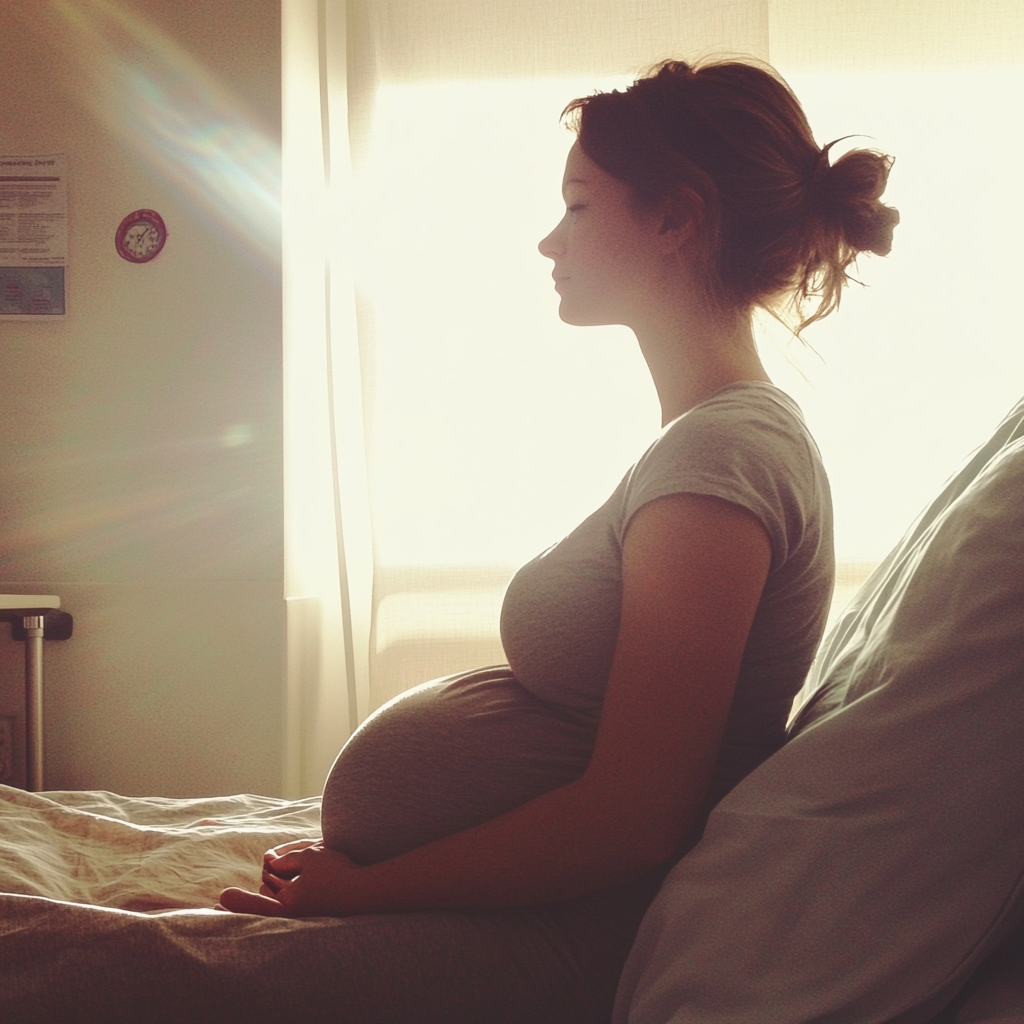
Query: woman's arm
[{"x": 693, "y": 569}]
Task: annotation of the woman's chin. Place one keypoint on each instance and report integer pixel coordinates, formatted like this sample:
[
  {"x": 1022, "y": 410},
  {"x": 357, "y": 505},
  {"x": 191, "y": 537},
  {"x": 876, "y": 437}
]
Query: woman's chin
[{"x": 576, "y": 317}]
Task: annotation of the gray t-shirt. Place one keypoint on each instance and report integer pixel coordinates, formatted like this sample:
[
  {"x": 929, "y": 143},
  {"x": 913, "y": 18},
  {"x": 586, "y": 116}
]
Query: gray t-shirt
[
  {"x": 747, "y": 444},
  {"x": 455, "y": 752}
]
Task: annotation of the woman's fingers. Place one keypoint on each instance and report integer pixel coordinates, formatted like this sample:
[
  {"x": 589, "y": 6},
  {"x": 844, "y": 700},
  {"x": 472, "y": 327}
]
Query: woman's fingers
[
  {"x": 286, "y": 867},
  {"x": 281, "y": 865},
  {"x": 305, "y": 882},
  {"x": 275, "y": 883},
  {"x": 293, "y": 847},
  {"x": 238, "y": 901}
]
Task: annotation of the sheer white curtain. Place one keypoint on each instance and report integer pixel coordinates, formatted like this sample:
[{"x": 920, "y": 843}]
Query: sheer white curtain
[{"x": 443, "y": 426}]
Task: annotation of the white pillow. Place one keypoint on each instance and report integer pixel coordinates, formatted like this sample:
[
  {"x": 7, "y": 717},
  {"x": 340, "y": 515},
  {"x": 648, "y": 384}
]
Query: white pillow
[{"x": 862, "y": 872}]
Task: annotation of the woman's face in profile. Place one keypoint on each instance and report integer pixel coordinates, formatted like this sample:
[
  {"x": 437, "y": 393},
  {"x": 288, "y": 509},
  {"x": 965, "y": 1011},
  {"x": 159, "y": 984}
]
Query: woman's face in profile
[{"x": 604, "y": 247}]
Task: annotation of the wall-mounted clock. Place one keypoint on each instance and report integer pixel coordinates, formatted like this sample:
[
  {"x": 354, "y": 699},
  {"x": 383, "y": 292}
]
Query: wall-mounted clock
[{"x": 140, "y": 236}]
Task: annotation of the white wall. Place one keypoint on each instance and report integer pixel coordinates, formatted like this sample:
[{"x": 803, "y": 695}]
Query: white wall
[{"x": 140, "y": 438}]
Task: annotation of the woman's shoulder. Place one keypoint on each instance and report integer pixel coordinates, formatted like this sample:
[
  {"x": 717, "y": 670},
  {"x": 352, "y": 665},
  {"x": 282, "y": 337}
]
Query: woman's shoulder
[
  {"x": 737, "y": 408},
  {"x": 747, "y": 444},
  {"x": 748, "y": 424}
]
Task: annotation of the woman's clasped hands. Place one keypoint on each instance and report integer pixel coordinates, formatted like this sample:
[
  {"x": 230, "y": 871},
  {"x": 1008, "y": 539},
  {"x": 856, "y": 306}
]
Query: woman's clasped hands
[{"x": 300, "y": 879}]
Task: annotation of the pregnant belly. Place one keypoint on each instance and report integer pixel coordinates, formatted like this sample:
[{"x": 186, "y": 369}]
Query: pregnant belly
[{"x": 445, "y": 756}]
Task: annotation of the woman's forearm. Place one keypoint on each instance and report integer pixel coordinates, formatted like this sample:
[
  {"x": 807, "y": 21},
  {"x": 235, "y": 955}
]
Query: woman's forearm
[{"x": 567, "y": 842}]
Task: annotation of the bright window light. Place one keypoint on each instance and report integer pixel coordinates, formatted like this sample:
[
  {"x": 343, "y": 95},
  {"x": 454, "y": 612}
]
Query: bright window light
[
  {"x": 495, "y": 428},
  {"x": 918, "y": 367}
]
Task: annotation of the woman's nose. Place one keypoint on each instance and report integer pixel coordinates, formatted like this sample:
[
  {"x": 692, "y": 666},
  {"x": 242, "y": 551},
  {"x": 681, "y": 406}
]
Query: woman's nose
[{"x": 551, "y": 245}]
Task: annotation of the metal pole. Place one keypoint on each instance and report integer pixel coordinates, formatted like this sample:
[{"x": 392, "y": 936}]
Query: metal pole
[{"x": 34, "y": 701}]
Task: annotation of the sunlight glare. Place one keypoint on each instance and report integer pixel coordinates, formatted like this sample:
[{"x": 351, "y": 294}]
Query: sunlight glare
[
  {"x": 177, "y": 117},
  {"x": 504, "y": 425},
  {"x": 495, "y": 428},
  {"x": 916, "y": 368}
]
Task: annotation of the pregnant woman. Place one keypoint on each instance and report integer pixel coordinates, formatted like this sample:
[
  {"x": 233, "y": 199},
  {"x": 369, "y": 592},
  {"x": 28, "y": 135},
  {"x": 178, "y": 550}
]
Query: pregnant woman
[{"x": 494, "y": 838}]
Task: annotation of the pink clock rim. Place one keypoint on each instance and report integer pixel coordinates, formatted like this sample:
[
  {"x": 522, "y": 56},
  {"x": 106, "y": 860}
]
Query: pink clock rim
[{"x": 136, "y": 215}]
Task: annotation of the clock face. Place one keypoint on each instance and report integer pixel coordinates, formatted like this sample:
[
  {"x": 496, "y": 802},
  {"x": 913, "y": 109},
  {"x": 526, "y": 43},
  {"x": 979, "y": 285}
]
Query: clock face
[{"x": 140, "y": 236}]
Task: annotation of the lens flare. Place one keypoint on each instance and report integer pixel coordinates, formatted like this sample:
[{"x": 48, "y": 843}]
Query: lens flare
[{"x": 174, "y": 114}]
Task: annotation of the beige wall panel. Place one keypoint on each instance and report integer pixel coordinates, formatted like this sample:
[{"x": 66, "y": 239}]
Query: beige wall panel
[
  {"x": 895, "y": 34},
  {"x": 407, "y": 40},
  {"x": 163, "y": 689},
  {"x": 140, "y": 438}
]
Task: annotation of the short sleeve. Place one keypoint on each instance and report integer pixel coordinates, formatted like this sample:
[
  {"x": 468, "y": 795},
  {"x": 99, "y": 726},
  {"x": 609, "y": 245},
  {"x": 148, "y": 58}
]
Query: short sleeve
[{"x": 747, "y": 445}]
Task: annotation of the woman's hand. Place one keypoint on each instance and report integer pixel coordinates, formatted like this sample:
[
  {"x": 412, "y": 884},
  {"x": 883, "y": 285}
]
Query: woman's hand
[
  {"x": 277, "y": 871},
  {"x": 300, "y": 879}
]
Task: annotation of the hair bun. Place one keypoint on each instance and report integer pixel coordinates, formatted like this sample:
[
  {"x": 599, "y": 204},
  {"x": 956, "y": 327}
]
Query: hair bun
[
  {"x": 779, "y": 225},
  {"x": 850, "y": 192}
]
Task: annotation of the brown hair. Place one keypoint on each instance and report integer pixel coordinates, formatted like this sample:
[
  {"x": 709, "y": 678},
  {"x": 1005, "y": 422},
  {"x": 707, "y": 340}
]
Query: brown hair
[{"x": 780, "y": 223}]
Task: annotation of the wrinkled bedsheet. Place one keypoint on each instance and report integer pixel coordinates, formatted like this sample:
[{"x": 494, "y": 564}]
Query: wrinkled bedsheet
[
  {"x": 144, "y": 854},
  {"x": 106, "y": 918},
  {"x": 106, "y": 912}
]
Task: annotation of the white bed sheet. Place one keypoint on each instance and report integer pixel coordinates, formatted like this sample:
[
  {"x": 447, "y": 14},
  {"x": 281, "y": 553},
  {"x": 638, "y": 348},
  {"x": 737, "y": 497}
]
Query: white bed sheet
[
  {"x": 106, "y": 918},
  {"x": 145, "y": 854}
]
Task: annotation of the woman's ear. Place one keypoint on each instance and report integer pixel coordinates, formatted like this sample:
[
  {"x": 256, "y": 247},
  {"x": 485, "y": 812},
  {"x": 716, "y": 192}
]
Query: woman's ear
[{"x": 681, "y": 216}]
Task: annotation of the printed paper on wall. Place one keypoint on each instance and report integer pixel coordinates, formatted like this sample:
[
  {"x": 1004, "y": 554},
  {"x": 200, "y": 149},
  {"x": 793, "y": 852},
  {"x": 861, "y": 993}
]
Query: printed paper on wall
[{"x": 33, "y": 237}]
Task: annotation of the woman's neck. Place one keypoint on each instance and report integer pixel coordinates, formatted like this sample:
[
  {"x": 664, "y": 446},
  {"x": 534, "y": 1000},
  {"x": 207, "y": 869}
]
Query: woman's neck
[{"x": 691, "y": 357}]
